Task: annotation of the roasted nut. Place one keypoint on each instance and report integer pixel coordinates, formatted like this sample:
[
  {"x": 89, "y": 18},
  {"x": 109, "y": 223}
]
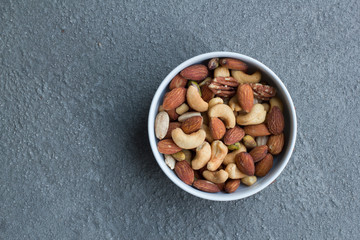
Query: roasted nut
[
  {"x": 232, "y": 63},
  {"x": 266, "y": 106},
  {"x": 223, "y": 112},
  {"x": 177, "y": 81},
  {"x": 172, "y": 114},
  {"x": 245, "y": 163},
  {"x": 179, "y": 156},
  {"x": 256, "y": 116},
  {"x": 172, "y": 126},
  {"x": 230, "y": 157},
  {"x": 170, "y": 161},
  {"x": 260, "y": 141},
  {"x": 215, "y": 101},
  {"x": 206, "y": 186},
  {"x": 275, "y": 101},
  {"x": 188, "y": 141},
  {"x": 184, "y": 172},
  {"x": 213, "y": 63},
  {"x": 174, "y": 98},
  {"x": 162, "y": 122},
  {"x": 232, "y": 185},
  {"x": 195, "y": 101},
  {"x": 195, "y": 72},
  {"x": 203, "y": 154},
  {"x": 192, "y": 124},
  {"x": 234, "y": 146},
  {"x": 167, "y": 146},
  {"x": 183, "y": 108},
  {"x": 263, "y": 167},
  {"x": 207, "y": 94},
  {"x": 233, "y": 135},
  {"x": 242, "y": 77},
  {"x": 263, "y": 92},
  {"x": 208, "y": 137},
  {"x": 234, "y": 172},
  {"x": 275, "y": 121},
  {"x": 188, "y": 155},
  {"x": 258, "y": 153},
  {"x": 234, "y": 104},
  {"x": 223, "y": 86},
  {"x": 245, "y": 97},
  {"x": 249, "y": 141},
  {"x": 218, "y": 153},
  {"x": 187, "y": 115},
  {"x": 221, "y": 72},
  {"x": 217, "y": 128},
  {"x": 161, "y": 108},
  {"x": 205, "y": 82},
  {"x": 216, "y": 177},
  {"x": 257, "y": 130},
  {"x": 276, "y": 143},
  {"x": 249, "y": 180}
]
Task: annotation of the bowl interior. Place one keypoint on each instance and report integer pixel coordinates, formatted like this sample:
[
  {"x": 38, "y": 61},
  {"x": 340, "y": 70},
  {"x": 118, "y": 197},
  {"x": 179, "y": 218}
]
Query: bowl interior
[{"x": 280, "y": 160}]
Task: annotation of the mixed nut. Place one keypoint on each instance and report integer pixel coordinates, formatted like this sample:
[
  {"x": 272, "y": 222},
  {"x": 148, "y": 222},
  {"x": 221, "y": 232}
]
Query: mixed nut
[{"x": 219, "y": 126}]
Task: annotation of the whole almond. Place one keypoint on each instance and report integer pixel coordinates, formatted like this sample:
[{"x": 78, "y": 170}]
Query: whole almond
[
  {"x": 259, "y": 153},
  {"x": 275, "y": 121},
  {"x": 196, "y": 72},
  {"x": 233, "y": 64},
  {"x": 217, "y": 128},
  {"x": 264, "y": 166},
  {"x": 173, "y": 114},
  {"x": 245, "y": 97},
  {"x": 257, "y": 130},
  {"x": 167, "y": 146},
  {"x": 184, "y": 172},
  {"x": 177, "y": 81},
  {"x": 275, "y": 143},
  {"x": 172, "y": 126},
  {"x": 245, "y": 163},
  {"x": 206, "y": 93},
  {"x": 174, "y": 98},
  {"x": 206, "y": 186},
  {"x": 221, "y": 186},
  {"x": 232, "y": 185},
  {"x": 192, "y": 124},
  {"x": 233, "y": 135},
  {"x": 162, "y": 121}
]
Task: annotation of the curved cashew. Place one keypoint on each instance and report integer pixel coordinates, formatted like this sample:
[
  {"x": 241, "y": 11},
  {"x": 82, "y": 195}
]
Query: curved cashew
[
  {"x": 195, "y": 101},
  {"x": 187, "y": 115},
  {"x": 255, "y": 116},
  {"x": 208, "y": 137},
  {"x": 218, "y": 153},
  {"x": 215, "y": 101},
  {"x": 223, "y": 112},
  {"x": 275, "y": 101},
  {"x": 188, "y": 141},
  {"x": 234, "y": 104},
  {"x": 230, "y": 157},
  {"x": 221, "y": 72},
  {"x": 203, "y": 154},
  {"x": 234, "y": 172},
  {"x": 242, "y": 77},
  {"x": 216, "y": 177}
]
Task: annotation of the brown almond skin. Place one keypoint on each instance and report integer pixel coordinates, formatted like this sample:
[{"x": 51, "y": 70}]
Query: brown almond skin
[
  {"x": 221, "y": 186},
  {"x": 234, "y": 64},
  {"x": 174, "y": 98},
  {"x": 167, "y": 146},
  {"x": 259, "y": 152},
  {"x": 245, "y": 97},
  {"x": 257, "y": 130},
  {"x": 206, "y": 186},
  {"x": 195, "y": 72},
  {"x": 275, "y": 143},
  {"x": 275, "y": 121},
  {"x": 184, "y": 172},
  {"x": 177, "y": 81},
  {"x": 232, "y": 185},
  {"x": 192, "y": 124},
  {"x": 217, "y": 128},
  {"x": 234, "y": 135},
  {"x": 206, "y": 93},
  {"x": 172, "y": 126},
  {"x": 263, "y": 167},
  {"x": 245, "y": 163},
  {"x": 172, "y": 114}
]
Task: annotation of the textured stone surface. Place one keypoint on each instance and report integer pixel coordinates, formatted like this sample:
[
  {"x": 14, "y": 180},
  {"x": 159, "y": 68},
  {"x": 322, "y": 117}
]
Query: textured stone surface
[{"x": 76, "y": 81}]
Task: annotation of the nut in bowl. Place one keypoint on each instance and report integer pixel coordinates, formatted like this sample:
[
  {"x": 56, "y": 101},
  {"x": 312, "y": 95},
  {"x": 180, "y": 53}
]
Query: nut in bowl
[{"x": 222, "y": 126}]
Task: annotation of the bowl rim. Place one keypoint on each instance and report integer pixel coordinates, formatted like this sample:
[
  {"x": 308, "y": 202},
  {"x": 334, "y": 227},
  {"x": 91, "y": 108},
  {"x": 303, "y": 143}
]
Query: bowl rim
[{"x": 170, "y": 173}]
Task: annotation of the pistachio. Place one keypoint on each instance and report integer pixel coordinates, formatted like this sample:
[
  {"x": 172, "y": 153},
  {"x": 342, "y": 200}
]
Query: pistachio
[
  {"x": 196, "y": 85},
  {"x": 179, "y": 156},
  {"x": 213, "y": 63},
  {"x": 249, "y": 141},
  {"x": 234, "y": 146}
]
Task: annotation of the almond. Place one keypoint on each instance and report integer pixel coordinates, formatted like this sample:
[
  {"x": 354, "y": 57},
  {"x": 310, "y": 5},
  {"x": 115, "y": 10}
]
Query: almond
[
  {"x": 177, "y": 81},
  {"x": 206, "y": 186},
  {"x": 275, "y": 143},
  {"x": 264, "y": 166},
  {"x": 259, "y": 153},
  {"x": 232, "y": 185},
  {"x": 275, "y": 121},
  {"x": 257, "y": 130},
  {"x": 245, "y": 163},
  {"x": 184, "y": 172},
  {"x": 245, "y": 97},
  {"x": 192, "y": 124},
  {"x": 174, "y": 98},
  {"x": 173, "y": 114},
  {"x": 233, "y": 135},
  {"x": 167, "y": 146},
  {"x": 196, "y": 72},
  {"x": 206, "y": 93},
  {"x": 233, "y": 64},
  {"x": 172, "y": 126},
  {"x": 217, "y": 128},
  {"x": 221, "y": 186}
]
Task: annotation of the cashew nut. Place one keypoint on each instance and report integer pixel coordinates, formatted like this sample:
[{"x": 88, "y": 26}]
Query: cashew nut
[
  {"x": 234, "y": 104},
  {"x": 218, "y": 153},
  {"x": 183, "y": 108},
  {"x": 249, "y": 180},
  {"x": 225, "y": 113},
  {"x": 221, "y": 72},
  {"x": 162, "y": 122},
  {"x": 242, "y": 77},
  {"x": 188, "y": 141},
  {"x": 275, "y": 101},
  {"x": 187, "y": 115},
  {"x": 230, "y": 157},
  {"x": 215, "y": 101},
  {"x": 266, "y": 106},
  {"x": 203, "y": 154},
  {"x": 255, "y": 116},
  {"x": 234, "y": 172},
  {"x": 208, "y": 137},
  {"x": 195, "y": 101},
  {"x": 216, "y": 177}
]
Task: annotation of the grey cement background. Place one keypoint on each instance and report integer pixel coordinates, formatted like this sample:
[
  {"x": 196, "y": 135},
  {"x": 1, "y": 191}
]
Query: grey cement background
[{"x": 76, "y": 82}]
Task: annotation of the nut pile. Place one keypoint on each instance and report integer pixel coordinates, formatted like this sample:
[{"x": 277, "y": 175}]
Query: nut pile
[{"x": 219, "y": 126}]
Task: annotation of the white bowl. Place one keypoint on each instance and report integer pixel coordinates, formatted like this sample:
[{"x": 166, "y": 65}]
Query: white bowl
[{"x": 280, "y": 160}]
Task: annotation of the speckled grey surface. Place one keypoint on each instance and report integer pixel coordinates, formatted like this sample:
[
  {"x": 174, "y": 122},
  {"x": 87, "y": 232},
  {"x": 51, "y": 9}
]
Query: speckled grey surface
[{"x": 76, "y": 82}]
